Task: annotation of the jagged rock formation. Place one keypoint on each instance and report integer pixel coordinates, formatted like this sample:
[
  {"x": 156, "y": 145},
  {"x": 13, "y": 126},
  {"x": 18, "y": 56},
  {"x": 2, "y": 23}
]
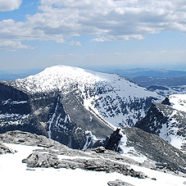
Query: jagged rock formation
[
  {"x": 51, "y": 155},
  {"x": 113, "y": 141}
]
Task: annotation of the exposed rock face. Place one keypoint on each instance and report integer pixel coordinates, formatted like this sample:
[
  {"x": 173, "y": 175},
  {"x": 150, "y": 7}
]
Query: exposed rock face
[
  {"x": 25, "y": 138},
  {"x": 44, "y": 160},
  {"x": 166, "y": 101},
  {"x": 149, "y": 145}
]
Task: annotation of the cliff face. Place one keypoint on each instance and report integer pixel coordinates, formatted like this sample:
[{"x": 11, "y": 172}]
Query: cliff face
[{"x": 62, "y": 118}]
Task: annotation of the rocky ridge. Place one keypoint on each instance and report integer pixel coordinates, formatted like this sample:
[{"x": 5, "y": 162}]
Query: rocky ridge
[
  {"x": 56, "y": 155},
  {"x": 168, "y": 121}
]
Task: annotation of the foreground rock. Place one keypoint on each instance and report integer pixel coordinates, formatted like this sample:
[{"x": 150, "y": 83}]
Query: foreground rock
[
  {"x": 46, "y": 160},
  {"x": 55, "y": 155},
  {"x": 118, "y": 183},
  {"x": 157, "y": 153},
  {"x": 4, "y": 149}
]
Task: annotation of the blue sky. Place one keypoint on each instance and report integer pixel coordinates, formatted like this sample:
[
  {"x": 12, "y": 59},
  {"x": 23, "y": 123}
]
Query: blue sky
[{"x": 88, "y": 33}]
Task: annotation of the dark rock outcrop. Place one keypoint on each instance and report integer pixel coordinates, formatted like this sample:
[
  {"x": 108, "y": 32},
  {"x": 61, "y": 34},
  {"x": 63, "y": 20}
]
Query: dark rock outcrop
[
  {"x": 112, "y": 143},
  {"x": 166, "y": 101}
]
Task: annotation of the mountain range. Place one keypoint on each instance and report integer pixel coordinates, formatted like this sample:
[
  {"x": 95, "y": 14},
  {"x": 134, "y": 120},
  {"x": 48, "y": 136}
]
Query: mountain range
[
  {"x": 105, "y": 116},
  {"x": 65, "y": 103}
]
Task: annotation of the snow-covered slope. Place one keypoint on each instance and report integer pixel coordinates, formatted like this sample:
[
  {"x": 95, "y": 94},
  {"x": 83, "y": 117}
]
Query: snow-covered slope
[
  {"x": 178, "y": 102},
  {"x": 113, "y": 98},
  {"x": 65, "y": 77}
]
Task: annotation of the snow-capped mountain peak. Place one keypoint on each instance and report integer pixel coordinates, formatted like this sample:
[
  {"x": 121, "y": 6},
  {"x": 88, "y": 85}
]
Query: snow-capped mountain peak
[
  {"x": 109, "y": 96},
  {"x": 60, "y": 77}
]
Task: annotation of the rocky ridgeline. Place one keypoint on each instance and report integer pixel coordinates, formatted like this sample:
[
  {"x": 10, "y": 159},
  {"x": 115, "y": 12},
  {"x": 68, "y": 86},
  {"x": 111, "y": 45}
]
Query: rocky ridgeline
[{"x": 53, "y": 154}]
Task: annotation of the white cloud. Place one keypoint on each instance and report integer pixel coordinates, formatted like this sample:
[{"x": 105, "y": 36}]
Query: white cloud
[
  {"x": 103, "y": 20},
  {"x": 12, "y": 44},
  {"x": 9, "y": 5},
  {"x": 110, "y": 19},
  {"x": 75, "y": 43}
]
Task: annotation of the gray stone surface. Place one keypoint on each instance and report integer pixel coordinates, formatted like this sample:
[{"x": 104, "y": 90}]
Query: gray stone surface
[
  {"x": 4, "y": 149},
  {"x": 56, "y": 155},
  {"x": 46, "y": 160},
  {"x": 118, "y": 183}
]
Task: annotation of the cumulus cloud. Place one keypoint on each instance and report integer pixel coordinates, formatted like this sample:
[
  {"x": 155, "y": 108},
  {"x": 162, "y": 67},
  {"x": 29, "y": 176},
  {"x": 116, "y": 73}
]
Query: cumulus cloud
[
  {"x": 9, "y": 5},
  {"x": 103, "y": 20},
  {"x": 111, "y": 19}
]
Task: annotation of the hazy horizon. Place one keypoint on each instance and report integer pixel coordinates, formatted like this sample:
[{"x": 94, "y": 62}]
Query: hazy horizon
[{"x": 107, "y": 69}]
